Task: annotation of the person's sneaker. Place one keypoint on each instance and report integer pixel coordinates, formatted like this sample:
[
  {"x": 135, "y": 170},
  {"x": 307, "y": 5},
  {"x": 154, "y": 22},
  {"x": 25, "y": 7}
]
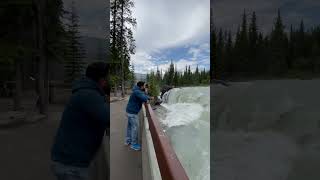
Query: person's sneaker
[
  {"x": 135, "y": 147},
  {"x": 128, "y": 142}
]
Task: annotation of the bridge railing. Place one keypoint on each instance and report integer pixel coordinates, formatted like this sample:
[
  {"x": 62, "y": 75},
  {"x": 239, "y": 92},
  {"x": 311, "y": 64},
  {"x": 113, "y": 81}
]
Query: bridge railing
[{"x": 168, "y": 162}]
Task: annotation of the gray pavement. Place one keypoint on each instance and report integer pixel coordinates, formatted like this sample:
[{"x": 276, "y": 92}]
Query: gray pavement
[
  {"x": 25, "y": 150},
  {"x": 124, "y": 162}
]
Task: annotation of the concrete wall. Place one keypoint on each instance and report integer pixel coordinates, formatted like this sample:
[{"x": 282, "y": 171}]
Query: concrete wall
[
  {"x": 150, "y": 168},
  {"x": 100, "y": 167}
]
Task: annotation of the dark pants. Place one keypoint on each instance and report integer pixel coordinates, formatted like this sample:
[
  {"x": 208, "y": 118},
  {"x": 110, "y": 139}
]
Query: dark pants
[{"x": 64, "y": 172}]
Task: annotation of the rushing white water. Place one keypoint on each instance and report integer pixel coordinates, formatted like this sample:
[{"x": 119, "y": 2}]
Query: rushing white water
[
  {"x": 185, "y": 116},
  {"x": 266, "y": 130}
]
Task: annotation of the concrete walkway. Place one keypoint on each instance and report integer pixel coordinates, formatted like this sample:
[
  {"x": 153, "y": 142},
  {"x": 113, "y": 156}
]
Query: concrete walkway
[
  {"x": 124, "y": 162},
  {"x": 25, "y": 150}
]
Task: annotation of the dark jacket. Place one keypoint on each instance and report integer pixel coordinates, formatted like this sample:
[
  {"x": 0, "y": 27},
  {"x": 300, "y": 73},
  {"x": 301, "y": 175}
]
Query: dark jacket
[
  {"x": 84, "y": 121},
  {"x": 137, "y": 98}
]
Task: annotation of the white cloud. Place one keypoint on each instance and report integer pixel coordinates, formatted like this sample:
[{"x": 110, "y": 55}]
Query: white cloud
[
  {"x": 169, "y": 24},
  {"x": 166, "y": 23},
  {"x": 197, "y": 52},
  {"x": 142, "y": 62}
]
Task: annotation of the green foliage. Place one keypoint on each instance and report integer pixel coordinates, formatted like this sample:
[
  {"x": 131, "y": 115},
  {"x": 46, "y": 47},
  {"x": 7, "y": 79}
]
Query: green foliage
[
  {"x": 175, "y": 78},
  {"x": 18, "y": 33},
  {"x": 122, "y": 43},
  {"x": 74, "y": 56},
  {"x": 154, "y": 88},
  {"x": 114, "y": 80},
  {"x": 281, "y": 53}
]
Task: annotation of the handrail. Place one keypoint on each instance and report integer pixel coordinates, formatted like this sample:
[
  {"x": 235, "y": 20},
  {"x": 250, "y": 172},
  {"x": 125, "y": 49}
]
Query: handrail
[{"x": 169, "y": 164}]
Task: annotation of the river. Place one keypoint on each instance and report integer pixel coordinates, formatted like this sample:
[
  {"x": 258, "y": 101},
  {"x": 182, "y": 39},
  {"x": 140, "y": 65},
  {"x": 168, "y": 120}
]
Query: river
[
  {"x": 185, "y": 117},
  {"x": 266, "y": 129}
]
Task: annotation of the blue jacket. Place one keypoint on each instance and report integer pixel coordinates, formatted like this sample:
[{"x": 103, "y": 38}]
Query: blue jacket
[
  {"x": 136, "y": 100},
  {"x": 84, "y": 121}
]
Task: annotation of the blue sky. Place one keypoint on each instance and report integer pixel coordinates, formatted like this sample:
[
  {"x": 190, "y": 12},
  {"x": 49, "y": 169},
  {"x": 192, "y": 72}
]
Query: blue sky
[{"x": 171, "y": 30}]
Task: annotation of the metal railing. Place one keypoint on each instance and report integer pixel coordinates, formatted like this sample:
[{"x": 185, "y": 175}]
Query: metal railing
[{"x": 169, "y": 164}]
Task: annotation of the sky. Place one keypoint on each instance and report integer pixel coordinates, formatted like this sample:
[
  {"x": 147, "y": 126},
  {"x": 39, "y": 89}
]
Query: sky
[
  {"x": 176, "y": 30},
  {"x": 168, "y": 30},
  {"x": 227, "y": 13}
]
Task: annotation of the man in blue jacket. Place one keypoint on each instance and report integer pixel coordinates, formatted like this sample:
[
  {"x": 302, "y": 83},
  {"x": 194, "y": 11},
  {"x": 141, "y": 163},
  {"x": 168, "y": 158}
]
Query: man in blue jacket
[
  {"x": 137, "y": 98},
  {"x": 84, "y": 121}
]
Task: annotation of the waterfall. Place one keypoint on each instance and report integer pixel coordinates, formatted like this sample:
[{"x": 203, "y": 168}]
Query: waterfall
[{"x": 185, "y": 117}]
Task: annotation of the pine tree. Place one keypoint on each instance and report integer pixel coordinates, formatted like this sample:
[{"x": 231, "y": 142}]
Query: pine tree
[
  {"x": 74, "y": 61},
  {"x": 196, "y": 78},
  {"x": 213, "y": 54},
  {"x": 278, "y": 48},
  {"x": 253, "y": 40},
  {"x": 176, "y": 77},
  {"x": 171, "y": 74},
  {"x": 121, "y": 39},
  {"x": 189, "y": 76},
  {"x": 158, "y": 76},
  {"x": 229, "y": 55},
  {"x": 220, "y": 56},
  {"x": 244, "y": 46}
]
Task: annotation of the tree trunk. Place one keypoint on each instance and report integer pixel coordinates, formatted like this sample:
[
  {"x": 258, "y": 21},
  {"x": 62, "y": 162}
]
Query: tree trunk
[
  {"x": 46, "y": 82},
  {"x": 115, "y": 90},
  {"x": 41, "y": 59},
  {"x": 114, "y": 25},
  {"x": 18, "y": 86},
  {"x": 122, "y": 49}
]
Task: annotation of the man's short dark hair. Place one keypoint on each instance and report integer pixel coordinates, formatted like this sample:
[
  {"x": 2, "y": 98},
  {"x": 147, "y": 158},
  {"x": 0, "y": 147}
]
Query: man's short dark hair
[
  {"x": 140, "y": 84},
  {"x": 97, "y": 71}
]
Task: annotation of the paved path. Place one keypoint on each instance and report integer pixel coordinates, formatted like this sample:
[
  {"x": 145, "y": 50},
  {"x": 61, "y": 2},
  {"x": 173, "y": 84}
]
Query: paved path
[
  {"x": 25, "y": 150},
  {"x": 124, "y": 162}
]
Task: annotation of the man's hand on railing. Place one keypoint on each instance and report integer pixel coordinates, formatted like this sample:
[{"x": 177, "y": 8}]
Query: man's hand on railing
[{"x": 149, "y": 99}]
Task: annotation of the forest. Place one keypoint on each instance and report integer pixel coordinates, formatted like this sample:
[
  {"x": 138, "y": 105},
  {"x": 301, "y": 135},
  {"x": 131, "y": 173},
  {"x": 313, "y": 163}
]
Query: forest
[
  {"x": 32, "y": 34},
  {"x": 173, "y": 77},
  {"x": 287, "y": 51},
  {"x": 122, "y": 44}
]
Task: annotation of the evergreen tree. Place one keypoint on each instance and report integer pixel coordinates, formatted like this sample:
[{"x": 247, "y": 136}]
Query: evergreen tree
[
  {"x": 213, "y": 54},
  {"x": 176, "y": 77},
  {"x": 253, "y": 40},
  {"x": 154, "y": 89},
  {"x": 189, "y": 79},
  {"x": 220, "y": 55},
  {"x": 159, "y": 76},
  {"x": 276, "y": 54},
  {"x": 121, "y": 39},
  {"x": 229, "y": 55},
  {"x": 75, "y": 54},
  {"x": 278, "y": 43},
  {"x": 243, "y": 53},
  {"x": 196, "y": 78},
  {"x": 171, "y": 74}
]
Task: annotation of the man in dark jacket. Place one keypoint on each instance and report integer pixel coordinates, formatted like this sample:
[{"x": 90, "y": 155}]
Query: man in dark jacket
[
  {"x": 137, "y": 98},
  {"x": 84, "y": 122}
]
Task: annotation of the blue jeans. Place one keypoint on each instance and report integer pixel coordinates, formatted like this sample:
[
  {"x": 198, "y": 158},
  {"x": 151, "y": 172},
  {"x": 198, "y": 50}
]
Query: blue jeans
[
  {"x": 64, "y": 172},
  {"x": 132, "y": 129}
]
